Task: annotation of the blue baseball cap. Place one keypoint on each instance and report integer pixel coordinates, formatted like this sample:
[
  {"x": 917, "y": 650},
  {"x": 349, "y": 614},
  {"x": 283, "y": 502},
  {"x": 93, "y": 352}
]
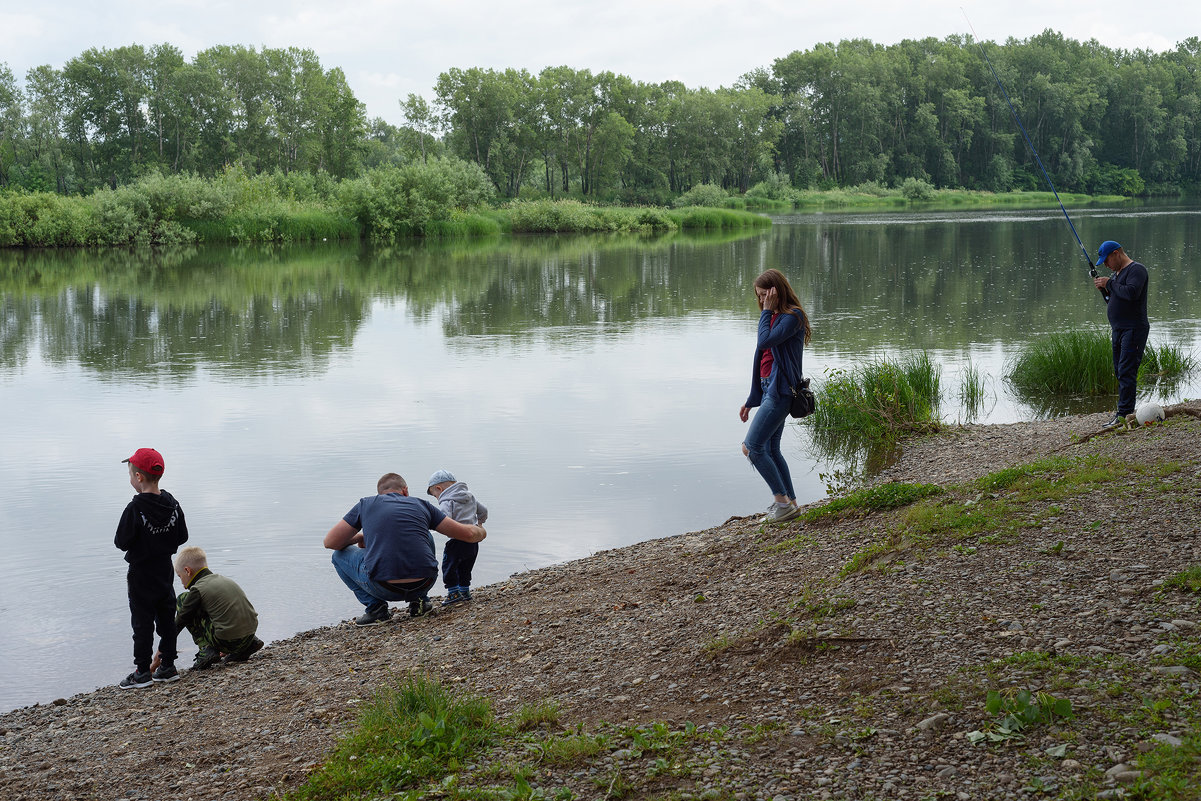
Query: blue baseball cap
[
  {"x": 437, "y": 478},
  {"x": 1107, "y": 247}
]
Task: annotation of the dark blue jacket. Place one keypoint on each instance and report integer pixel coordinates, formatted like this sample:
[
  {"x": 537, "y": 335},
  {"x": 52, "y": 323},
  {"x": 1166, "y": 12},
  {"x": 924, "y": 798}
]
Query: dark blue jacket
[
  {"x": 1127, "y": 304},
  {"x": 786, "y": 339}
]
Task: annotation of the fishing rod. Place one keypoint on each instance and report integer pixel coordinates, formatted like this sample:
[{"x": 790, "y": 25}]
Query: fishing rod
[{"x": 1092, "y": 268}]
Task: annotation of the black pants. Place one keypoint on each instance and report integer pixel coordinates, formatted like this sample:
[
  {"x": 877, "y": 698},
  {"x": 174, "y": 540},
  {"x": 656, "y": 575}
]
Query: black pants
[
  {"x": 457, "y": 560},
  {"x": 1128, "y": 347},
  {"x": 151, "y": 606}
]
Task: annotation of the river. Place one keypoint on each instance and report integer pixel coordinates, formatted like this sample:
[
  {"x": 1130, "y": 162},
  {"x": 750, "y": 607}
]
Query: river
[{"x": 585, "y": 388}]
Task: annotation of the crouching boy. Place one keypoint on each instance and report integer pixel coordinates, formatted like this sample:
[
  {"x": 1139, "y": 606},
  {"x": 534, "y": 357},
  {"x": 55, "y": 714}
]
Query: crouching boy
[{"x": 215, "y": 612}]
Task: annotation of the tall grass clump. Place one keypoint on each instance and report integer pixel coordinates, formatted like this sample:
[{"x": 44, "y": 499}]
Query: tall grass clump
[
  {"x": 1069, "y": 363},
  {"x": 410, "y": 734},
  {"x": 1167, "y": 364},
  {"x": 1081, "y": 363},
  {"x": 972, "y": 393},
  {"x": 879, "y": 401}
]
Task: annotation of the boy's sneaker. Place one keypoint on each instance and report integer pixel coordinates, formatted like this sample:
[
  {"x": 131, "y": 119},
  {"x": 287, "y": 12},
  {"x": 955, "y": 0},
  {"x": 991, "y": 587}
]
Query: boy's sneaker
[
  {"x": 137, "y": 679},
  {"x": 466, "y": 593},
  {"x": 380, "y": 613},
  {"x": 206, "y": 658},
  {"x": 166, "y": 672},
  {"x": 420, "y": 608},
  {"x": 782, "y": 513},
  {"x": 255, "y": 646},
  {"x": 454, "y": 597},
  {"x": 1114, "y": 421}
]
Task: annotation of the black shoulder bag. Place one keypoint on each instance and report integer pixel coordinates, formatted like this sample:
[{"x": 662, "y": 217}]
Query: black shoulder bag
[{"x": 804, "y": 403}]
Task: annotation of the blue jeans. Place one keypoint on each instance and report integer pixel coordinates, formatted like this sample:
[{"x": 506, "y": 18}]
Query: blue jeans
[
  {"x": 763, "y": 445},
  {"x": 349, "y": 564},
  {"x": 1128, "y": 347}
]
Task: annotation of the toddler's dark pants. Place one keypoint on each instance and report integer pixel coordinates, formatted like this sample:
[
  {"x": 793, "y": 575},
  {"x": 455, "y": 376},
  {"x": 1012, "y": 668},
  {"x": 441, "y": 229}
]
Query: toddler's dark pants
[{"x": 457, "y": 560}]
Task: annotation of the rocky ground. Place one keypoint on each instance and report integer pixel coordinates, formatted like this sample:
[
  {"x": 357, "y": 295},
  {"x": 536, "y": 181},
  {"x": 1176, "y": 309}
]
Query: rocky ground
[{"x": 844, "y": 657}]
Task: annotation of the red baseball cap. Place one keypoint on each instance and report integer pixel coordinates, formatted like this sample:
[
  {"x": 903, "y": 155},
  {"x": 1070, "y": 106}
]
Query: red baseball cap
[{"x": 148, "y": 461}]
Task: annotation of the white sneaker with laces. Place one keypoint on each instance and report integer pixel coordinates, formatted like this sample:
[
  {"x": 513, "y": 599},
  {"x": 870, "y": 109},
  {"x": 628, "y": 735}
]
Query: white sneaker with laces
[{"x": 782, "y": 512}]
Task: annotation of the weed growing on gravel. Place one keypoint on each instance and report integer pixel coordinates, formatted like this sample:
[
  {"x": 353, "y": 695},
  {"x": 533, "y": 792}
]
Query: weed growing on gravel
[
  {"x": 568, "y": 749},
  {"x": 533, "y": 716},
  {"x": 1187, "y": 580},
  {"x": 718, "y": 644},
  {"x": 1016, "y": 711},
  {"x": 873, "y": 499},
  {"x": 410, "y": 733}
]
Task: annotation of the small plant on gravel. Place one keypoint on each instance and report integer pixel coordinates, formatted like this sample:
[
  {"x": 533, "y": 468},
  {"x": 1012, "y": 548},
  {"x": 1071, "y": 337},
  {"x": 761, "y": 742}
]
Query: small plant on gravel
[
  {"x": 874, "y": 499},
  {"x": 533, "y": 716},
  {"x": 569, "y": 749},
  {"x": 522, "y": 790},
  {"x": 718, "y": 644},
  {"x": 1017, "y": 711},
  {"x": 1187, "y": 580}
]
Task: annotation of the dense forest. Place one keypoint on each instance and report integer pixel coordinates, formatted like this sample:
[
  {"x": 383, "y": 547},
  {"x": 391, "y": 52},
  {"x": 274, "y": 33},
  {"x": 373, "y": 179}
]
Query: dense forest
[{"x": 1104, "y": 120}]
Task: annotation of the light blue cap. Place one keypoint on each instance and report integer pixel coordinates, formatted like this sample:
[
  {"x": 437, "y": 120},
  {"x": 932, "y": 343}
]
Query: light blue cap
[{"x": 438, "y": 477}]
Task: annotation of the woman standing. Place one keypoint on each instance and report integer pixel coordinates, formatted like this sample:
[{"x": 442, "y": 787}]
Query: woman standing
[{"x": 783, "y": 332}]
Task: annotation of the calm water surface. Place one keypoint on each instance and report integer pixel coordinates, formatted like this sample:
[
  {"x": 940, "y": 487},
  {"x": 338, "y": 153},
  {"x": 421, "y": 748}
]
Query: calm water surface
[{"x": 586, "y": 389}]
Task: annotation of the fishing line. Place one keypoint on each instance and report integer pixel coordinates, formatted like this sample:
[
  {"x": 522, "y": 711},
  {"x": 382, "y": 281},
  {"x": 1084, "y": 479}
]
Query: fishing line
[{"x": 1092, "y": 268}]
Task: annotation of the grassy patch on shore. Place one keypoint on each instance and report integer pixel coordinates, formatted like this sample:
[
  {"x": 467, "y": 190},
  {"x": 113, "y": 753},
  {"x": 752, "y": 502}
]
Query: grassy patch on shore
[
  {"x": 1081, "y": 363},
  {"x": 872, "y": 405}
]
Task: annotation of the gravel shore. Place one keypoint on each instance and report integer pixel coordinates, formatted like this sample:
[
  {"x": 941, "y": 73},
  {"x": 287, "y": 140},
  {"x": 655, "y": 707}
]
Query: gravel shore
[{"x": 848, "y": 657}]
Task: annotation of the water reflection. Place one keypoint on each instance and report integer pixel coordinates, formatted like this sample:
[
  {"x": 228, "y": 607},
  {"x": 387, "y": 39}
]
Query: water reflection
[{"x": 585, "y": 387}]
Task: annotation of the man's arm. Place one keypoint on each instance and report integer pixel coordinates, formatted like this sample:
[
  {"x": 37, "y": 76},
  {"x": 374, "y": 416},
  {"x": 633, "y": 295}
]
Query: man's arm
[
  {"x": 459, "y": 531},
  {"x": 342, "y": 535}
]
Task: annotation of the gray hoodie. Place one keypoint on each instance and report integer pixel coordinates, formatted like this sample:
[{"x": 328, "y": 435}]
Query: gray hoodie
[{"x": 457, "y": 502}]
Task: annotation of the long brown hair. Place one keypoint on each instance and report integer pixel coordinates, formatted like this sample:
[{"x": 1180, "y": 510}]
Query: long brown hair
[{"x": 789, "y": 302}]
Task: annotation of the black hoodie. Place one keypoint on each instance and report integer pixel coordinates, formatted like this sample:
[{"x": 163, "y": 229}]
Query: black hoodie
[{"x": 152, "y": 528}]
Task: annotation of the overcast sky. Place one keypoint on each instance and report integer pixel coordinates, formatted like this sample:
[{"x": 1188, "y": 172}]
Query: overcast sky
[{"x": 389, "y": 48}]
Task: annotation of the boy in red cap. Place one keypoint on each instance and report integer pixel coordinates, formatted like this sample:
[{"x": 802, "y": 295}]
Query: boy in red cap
[{"x": 152, "y": 527}]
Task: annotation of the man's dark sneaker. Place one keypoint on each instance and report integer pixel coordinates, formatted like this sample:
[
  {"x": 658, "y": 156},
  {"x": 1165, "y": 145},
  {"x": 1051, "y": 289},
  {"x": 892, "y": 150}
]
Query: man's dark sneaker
[
  {"x": 206, "y": 658},
  {"x": 255, "y": 646},
  {"x": 454, "y": 597},
  {"x": 1114, "y": 421},
  {"x": 137, "y": 679},
  {"x": 164, "y": 673},
  {"x": 380, "y": 613},
  {"x": 420, "y": 608}
]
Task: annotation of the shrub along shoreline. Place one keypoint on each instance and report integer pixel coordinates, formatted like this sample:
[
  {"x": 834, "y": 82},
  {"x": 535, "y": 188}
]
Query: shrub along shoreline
[{"x": 441, "y": 198}]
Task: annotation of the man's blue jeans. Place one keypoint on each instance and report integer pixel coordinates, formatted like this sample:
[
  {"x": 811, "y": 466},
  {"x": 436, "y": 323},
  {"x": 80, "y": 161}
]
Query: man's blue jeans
[
  {"x": 349, "y": 564},
  {"x": 1128, "y": 347},
  {"x": 763, "y": 445}
]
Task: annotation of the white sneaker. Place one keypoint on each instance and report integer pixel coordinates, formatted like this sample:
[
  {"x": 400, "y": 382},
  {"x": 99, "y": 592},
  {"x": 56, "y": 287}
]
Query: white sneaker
[{"x": 781, "y": 512}]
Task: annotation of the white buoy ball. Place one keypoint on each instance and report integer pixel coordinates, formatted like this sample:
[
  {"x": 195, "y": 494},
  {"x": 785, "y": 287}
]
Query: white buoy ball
[{"x": 1151, "y": 413}]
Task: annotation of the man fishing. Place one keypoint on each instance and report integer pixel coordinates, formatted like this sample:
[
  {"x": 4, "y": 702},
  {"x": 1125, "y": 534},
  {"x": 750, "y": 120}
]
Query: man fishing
[{"x": 1126, "y": 307}]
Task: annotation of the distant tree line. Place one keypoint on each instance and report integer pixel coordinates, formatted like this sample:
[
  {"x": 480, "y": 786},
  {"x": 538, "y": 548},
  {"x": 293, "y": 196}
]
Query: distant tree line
[{"x": 1104, "y": 120}]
